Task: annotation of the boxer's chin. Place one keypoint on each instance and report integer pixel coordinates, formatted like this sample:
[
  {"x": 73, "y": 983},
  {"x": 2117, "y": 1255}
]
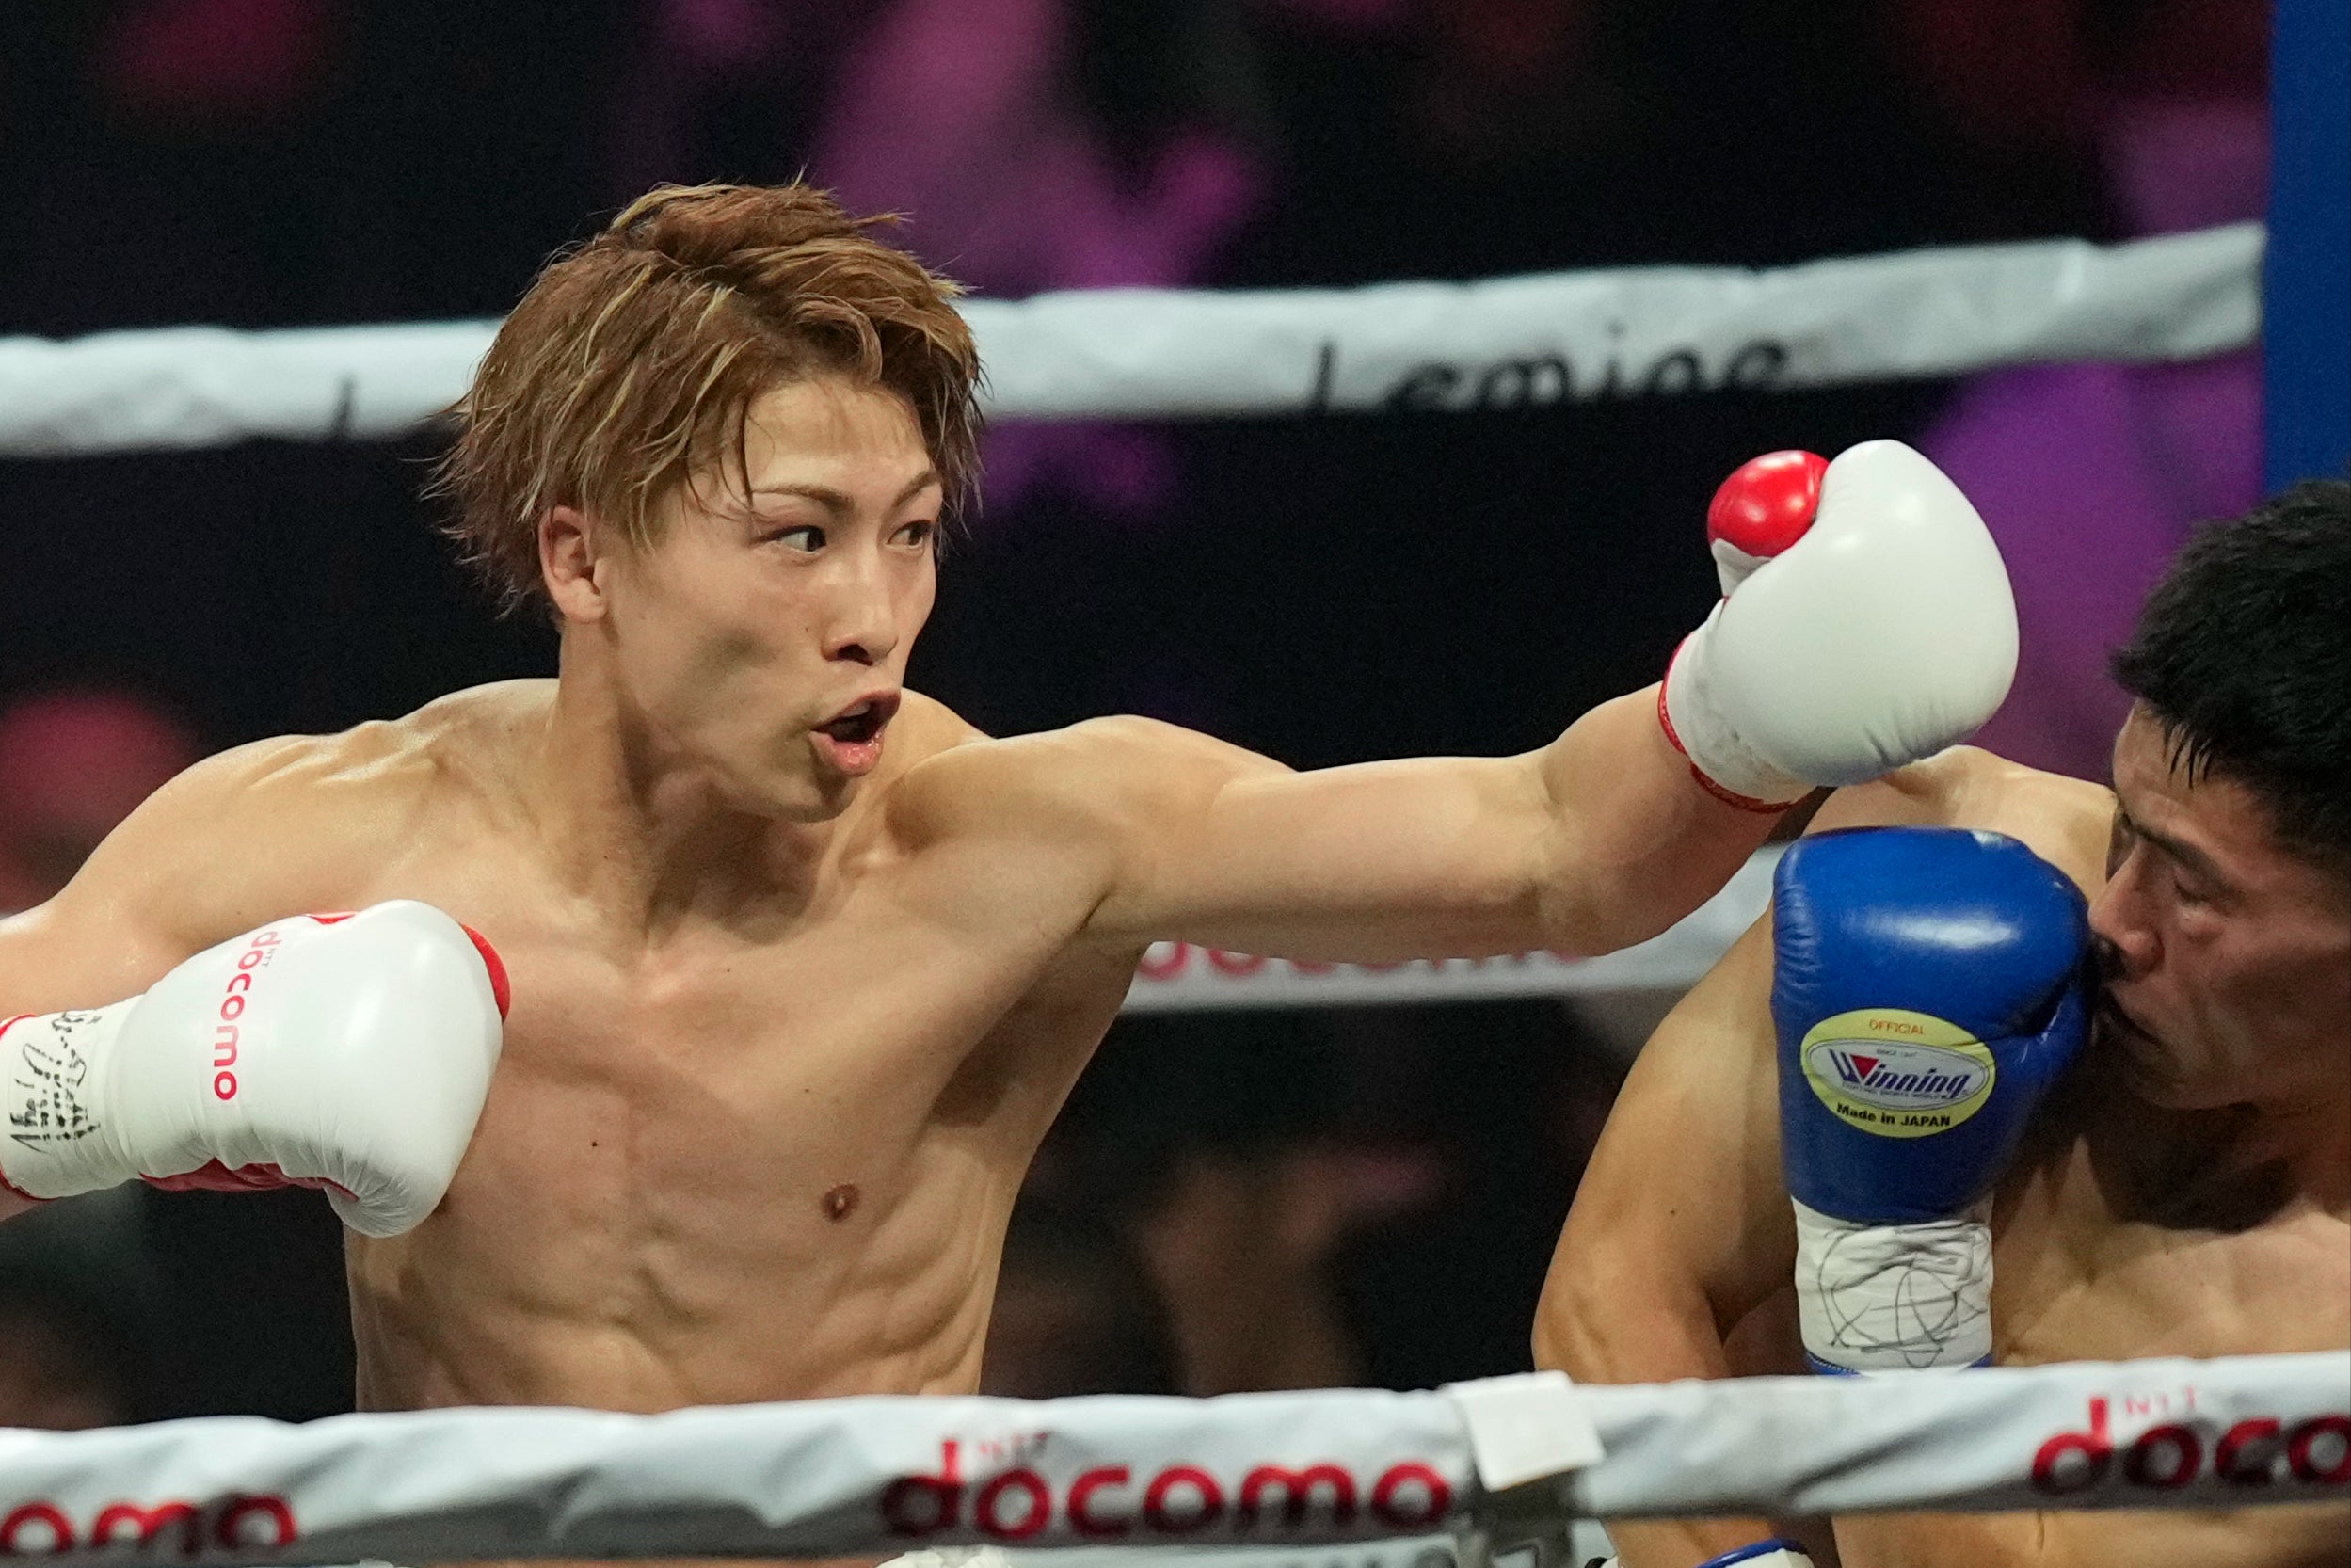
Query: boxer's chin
[
  {"x": 785, "y": 787},
  {"x": 2154, "y": 1072},
  {"x": 2134, "y": 1057}
]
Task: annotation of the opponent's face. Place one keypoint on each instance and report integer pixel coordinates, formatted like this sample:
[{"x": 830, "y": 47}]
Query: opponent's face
[
  {"x": 762, "y": 641},
  {"x": 2227, "y": 957}
]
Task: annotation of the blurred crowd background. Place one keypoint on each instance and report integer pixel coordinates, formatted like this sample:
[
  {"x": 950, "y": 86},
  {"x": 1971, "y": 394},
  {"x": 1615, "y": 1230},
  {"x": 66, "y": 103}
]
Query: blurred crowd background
[{"x": 1232, "y": 1201}]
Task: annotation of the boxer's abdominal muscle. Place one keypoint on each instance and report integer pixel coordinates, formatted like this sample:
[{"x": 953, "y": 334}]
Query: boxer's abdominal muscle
[{"x": 715, "y": 1212}]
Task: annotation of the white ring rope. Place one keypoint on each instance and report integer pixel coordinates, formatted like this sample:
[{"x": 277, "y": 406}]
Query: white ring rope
[
  {"x": 884, "y": 1474},
  {"x": 1177, "y": 977},
  {"x": 1154, "y": 353}
]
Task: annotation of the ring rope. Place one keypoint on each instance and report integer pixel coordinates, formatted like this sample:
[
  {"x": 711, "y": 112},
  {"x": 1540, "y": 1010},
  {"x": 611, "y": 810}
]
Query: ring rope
[
  {"x": 1172, "y": 354},
  {"x": 836, "y": 1477},
  {"x": 1177, "y": 977}
]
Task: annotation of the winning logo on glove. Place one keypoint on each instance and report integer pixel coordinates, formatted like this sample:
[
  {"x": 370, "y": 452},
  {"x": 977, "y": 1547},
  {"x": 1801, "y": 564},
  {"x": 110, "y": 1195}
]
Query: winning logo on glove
[{"x": 1894, "y": 1073}]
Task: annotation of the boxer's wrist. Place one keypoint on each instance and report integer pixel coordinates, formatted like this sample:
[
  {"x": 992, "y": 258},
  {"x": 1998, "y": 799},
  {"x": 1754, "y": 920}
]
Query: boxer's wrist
[
  {"x": 62, "y": 1136},
  {"x": 1724, "y": 766},
  {"x": 1873, "y": 1296}
]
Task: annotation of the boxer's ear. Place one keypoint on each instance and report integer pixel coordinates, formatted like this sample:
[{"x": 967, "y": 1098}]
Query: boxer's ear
[{"x": 569, "y": 555}]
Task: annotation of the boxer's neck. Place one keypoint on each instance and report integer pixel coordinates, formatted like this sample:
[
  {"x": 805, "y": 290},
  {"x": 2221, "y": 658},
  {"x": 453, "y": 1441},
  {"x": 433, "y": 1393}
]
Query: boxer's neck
[
  {"x": 655, "y": 843},
  {"x": 2313, "y": 1138},
  {"x": 2227, "y": 1168}
]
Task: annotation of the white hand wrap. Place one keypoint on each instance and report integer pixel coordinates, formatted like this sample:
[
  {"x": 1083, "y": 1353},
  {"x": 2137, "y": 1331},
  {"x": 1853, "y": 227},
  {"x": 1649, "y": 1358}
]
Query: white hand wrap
[{"x": 1884, "y": 1298}]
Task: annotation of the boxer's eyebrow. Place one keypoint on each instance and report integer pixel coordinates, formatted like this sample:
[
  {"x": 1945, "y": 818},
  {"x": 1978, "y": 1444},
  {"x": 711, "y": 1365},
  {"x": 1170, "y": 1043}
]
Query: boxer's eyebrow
[
  {"x": 833, "y": 501},
  {"x": 2186, "y": 853},
  {"x": 839, "y": 502}
]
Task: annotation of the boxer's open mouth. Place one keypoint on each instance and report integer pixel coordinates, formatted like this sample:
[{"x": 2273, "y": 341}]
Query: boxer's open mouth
[{"x": 861, "y": 721}]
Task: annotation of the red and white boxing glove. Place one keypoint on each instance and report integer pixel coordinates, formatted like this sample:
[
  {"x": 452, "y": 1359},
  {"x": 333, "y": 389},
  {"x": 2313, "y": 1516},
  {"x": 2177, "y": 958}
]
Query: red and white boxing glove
[
  {"x": 1865, "y": 622},
  {"x": 350, "y": 1052}
]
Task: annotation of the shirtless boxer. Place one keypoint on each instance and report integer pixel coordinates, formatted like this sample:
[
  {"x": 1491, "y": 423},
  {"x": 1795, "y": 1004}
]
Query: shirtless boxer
[
  {"x": 802, "y": 964},
  {"x": 2186, "y": 1192}
]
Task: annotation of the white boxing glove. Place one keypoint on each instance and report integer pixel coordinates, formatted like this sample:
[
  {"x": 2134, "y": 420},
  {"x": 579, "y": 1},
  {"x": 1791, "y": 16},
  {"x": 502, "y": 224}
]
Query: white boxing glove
[
  {"x": 1866, "y": 622},
  {"x": 349, "y": 1052}
]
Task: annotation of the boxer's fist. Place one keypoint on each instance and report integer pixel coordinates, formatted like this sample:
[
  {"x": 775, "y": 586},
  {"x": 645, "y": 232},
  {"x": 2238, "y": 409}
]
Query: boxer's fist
[
  {"x": 1927, "y": 990},
  {"x": 1866, "y": 622},
  {"x": 351, "y": 1054}
]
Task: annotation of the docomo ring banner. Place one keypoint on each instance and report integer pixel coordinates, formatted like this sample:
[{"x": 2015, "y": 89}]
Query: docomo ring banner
[
  {"x": 1166, "y": 354},
  {"x": 837, "y": 1477}
]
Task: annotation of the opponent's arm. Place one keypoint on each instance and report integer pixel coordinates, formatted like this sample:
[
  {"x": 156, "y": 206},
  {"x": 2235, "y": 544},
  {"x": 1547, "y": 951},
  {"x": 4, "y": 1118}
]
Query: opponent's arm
[
  {"x": 1681, "y": 1226},
  {"x": 1681, "y": 1229},
  {"x": 1865, "y": 622}
]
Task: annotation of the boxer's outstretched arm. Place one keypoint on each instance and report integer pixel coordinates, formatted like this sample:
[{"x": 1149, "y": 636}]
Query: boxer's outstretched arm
[
  {"x": 1681, "y": 1226},
  {"x": 1597, "y": 841},
  {"x": 1866, "y": 622}
]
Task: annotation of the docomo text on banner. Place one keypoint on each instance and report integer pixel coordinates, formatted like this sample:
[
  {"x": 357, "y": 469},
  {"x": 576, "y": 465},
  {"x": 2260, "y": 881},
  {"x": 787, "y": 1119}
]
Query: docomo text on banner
[
  {"x": 841, "y": 1476},
  {"x": 1172, "y": 354}
]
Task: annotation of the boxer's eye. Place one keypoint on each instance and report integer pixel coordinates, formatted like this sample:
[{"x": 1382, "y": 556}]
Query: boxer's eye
[
  {"x": 2118, "y": 841},
  {"x": 807, "y": 541}
]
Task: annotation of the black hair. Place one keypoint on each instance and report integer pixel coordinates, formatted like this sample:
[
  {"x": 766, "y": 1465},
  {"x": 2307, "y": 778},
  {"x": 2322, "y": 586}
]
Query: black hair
[{"x": 2243, "y": 654}]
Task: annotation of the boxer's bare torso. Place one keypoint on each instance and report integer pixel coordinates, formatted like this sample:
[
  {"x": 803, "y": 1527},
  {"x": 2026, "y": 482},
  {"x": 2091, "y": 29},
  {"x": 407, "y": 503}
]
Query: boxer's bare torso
[
  {"x": 2123, "y": 1231},
  {"x": 766, "y": 1151}
]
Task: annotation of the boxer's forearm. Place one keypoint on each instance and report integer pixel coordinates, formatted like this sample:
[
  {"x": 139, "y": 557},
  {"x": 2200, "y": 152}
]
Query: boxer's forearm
[
  {"x": 1639, "y": 843},
  {"x": 1599, "y": 841},
  {"x": 1625, "y": 1332}
]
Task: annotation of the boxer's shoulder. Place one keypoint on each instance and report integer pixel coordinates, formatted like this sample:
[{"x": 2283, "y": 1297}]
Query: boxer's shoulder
[
  {"x": 305, "y": 821},
  {"x": 1101, "y": 777},
  {"x": 2065, "y": 821}
]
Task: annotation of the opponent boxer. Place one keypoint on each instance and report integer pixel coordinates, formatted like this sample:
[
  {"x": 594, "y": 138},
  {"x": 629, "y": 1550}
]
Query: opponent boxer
[
  {"x": 803, "y": 965},
  {"x": 2185, "y": 1189}
]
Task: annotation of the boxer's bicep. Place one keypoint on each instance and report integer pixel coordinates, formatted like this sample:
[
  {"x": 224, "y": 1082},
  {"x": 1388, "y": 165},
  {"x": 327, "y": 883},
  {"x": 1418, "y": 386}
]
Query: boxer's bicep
[
  {"x": 106, "y": 936},
  {"x": 154, "y": 893}
]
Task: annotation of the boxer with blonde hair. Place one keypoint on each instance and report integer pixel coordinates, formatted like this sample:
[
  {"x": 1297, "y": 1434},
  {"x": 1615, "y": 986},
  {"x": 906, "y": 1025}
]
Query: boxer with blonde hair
[{"x": 803, "y": 965}]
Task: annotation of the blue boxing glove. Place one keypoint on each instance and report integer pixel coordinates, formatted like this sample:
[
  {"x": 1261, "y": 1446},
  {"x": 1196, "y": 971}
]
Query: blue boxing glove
[{"x": 1929, "y": 987}]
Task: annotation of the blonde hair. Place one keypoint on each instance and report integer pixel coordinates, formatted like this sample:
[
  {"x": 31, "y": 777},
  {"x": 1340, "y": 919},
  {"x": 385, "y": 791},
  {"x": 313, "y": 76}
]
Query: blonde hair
[{"x": 632, "y": 361}]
